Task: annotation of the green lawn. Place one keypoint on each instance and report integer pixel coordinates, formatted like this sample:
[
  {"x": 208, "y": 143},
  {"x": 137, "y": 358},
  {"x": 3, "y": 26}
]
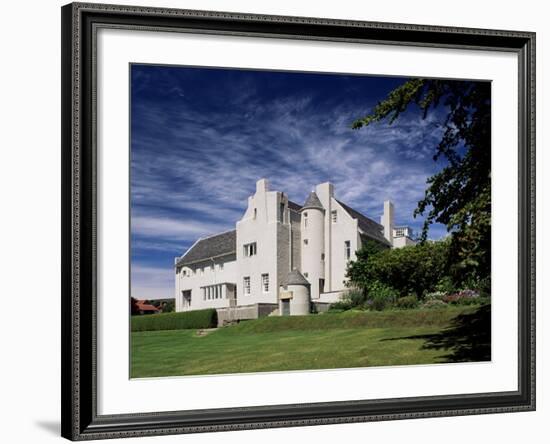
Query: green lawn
[{"x": 330, "y": 340}]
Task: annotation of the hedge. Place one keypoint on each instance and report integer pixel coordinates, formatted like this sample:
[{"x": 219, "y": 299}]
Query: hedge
[{"x": 176, "y": 321}]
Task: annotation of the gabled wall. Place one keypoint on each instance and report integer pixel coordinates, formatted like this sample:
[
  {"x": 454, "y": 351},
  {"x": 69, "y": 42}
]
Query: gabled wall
[
  {"x": 344, "y": 229},
  {"x": 261, "y": 224}
]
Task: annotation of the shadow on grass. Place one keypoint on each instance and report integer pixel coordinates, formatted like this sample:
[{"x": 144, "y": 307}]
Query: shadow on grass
[{"x": 467, "y": 339}]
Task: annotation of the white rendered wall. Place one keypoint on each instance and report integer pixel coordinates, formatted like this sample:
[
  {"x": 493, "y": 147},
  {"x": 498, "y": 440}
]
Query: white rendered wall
[
  {"x": 199, "y": 279},
  {"x": 387, "y": 220},
  {"x": 335, "y": 234},
  {"x": 313, "y": 268},
  {"x": 259, "y": 224},
  {"x": 325, "y": 192},
  {"x": 403, "y": 241},
  {"x": 300, "y": 302},
  {"x": 344, "y": 229}
]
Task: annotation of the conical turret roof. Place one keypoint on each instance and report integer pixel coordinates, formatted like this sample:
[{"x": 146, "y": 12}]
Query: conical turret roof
[
  {"x": 296, "y": 278},
  {"x": 313, "y": 201}
]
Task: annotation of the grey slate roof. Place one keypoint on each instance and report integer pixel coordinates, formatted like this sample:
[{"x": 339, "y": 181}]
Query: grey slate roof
[
  {"x": 294, "y": 206},
  {"x": 226, "y": 243},
  {"x": 212, "y": 246},
  {"x": 313, "y": 202},
  {"x": 296, "y": 278},
  {"x": 370, "y": 228}
]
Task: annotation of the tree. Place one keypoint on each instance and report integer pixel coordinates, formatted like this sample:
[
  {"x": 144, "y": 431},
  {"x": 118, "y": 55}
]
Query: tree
[
  {"x": 134, "y": 309},
  {"x": 358, "y": 273},
  {"x": 415, "y": 269},
  {"x": 459, "y": 196},
  {"x": 167, "y": 306}
]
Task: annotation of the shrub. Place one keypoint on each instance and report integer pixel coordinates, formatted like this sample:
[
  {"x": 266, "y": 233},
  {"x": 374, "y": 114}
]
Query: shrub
[
  {"x": 380, "y": 296},
  {"x": 176, "y": 321},
  {"x": 435, "y": 296},
  {"x": 350, "y": 299},
  {"x": 354, "y": 297},
  {"x": 414, "y": 269},
  {"x": 434, "y": 303},
  {"x": 407, "y": 302},
  {"x": 463, "y": 297},
  {"x": 337, "y": 308},
  {"x": 445, "y": 285}
]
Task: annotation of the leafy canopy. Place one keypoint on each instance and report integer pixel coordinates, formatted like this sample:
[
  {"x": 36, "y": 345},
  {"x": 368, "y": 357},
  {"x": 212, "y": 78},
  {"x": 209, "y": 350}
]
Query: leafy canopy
[
  {"x": 412, "y": 270},
  {"x": 458, "y": 196}
]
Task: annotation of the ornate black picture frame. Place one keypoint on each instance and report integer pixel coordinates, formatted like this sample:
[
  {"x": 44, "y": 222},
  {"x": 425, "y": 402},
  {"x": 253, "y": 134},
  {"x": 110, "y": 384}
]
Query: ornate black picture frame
[{"x": 80, "y": 420}]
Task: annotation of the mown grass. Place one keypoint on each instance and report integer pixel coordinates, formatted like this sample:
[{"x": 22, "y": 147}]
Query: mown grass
[{"x": 330, "y": 340}]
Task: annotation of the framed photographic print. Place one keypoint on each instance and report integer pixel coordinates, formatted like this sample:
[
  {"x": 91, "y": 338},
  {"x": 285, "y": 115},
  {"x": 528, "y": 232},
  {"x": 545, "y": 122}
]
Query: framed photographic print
[{"x": 278, "y": 221}]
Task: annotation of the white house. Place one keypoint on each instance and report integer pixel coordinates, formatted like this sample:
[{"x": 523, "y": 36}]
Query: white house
[{"x": 281, "y": 257}]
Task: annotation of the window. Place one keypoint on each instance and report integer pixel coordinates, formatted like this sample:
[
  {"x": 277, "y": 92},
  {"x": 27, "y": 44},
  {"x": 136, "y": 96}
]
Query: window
[
  {"x": 250, "y": 249},
  {"x": 306, "y": 241},
  {"x": 220, "y": 267},
  {"x": 347, "y": 247},
  {"x": 305, "y": 220},
  {"x": 265, "y": 283},
  {"x": 186, "y": 298},
  {"x": 255, "y": 212},
  {"x": 246, "y": 285},
  {"x": 305, "y": 274},
  {"x": 322, "y": 256},
  {"x": 401, "y": 232},
  {"x": 334, "y": 216}
]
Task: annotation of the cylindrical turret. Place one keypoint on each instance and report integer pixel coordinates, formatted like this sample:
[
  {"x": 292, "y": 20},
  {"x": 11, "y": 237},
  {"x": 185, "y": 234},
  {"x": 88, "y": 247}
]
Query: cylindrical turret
[
  {"x": 313, "y": 243},
  {"x": 298, "y": 289}
]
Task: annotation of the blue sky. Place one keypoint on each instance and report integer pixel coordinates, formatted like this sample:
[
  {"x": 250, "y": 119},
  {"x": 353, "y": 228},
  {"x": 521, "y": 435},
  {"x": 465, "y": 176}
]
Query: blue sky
[{"x": 200, "y": 138}]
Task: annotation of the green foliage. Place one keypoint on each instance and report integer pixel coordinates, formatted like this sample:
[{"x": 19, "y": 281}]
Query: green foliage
[
  {"x": 414, "y": 269},
  {"x": 466, "y": 297},
  {"x": 371, "y": 247},
  {"x": 168, "y": 306},
  {"x": 134, "y": 310},
  {"x": 352, "y": 298},
  {"x": 380, "y": 296},
  {"x": 446, "y": 285},
  {"x": 459, "y": 196},
  {"x": 176, "y": 321},
  {"x": 407, "y": 302}
]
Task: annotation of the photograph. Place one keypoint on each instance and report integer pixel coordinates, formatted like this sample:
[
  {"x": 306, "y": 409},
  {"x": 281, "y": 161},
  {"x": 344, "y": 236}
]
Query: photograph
[{"x": 296, "y": 221}]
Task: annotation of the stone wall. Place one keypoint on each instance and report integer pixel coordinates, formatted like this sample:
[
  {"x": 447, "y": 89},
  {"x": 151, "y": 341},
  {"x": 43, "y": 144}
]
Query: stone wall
[
  {"x": 321, "y": 307},
  {"x": 253, "y": 311}
]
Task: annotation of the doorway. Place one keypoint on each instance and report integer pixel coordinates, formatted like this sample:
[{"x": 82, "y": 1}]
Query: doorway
[{"x": 285, "y": 307}]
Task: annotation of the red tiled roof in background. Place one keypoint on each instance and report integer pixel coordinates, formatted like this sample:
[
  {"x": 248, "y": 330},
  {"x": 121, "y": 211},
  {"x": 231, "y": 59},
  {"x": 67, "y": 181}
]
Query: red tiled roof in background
[{"x": 146, "y": 307}]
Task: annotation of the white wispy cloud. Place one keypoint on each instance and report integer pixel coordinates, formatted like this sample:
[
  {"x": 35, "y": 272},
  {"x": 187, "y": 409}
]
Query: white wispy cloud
[
  {"x": 171, "y": 228},
  {"x": 193, "y": 170},
  {"x": 152, "y": 282}
]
